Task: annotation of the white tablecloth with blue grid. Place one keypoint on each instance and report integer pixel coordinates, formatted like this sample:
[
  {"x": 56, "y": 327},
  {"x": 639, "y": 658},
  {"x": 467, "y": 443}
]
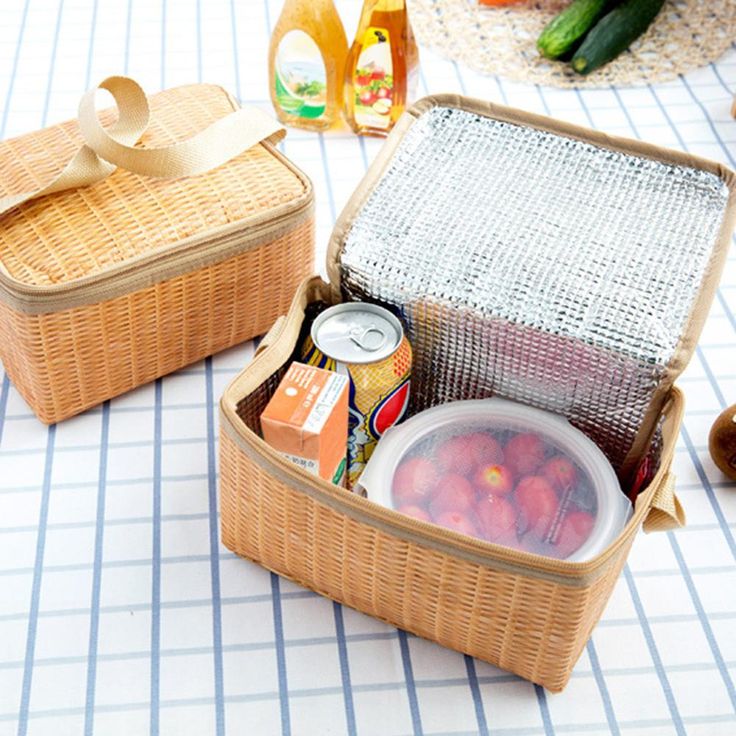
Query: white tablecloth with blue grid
[{"x": 121, "y": 613}]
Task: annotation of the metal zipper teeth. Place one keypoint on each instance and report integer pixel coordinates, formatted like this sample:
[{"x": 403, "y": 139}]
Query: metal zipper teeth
[
  {"x": 151, "y": 264},
  {"x": 439, "y": 538}
]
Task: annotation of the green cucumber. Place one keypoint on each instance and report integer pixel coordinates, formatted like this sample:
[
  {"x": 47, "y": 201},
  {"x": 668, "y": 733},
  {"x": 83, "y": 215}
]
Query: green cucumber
[
  {"x": 565, "y": 30},
  {"x": 614, "y": 33}
]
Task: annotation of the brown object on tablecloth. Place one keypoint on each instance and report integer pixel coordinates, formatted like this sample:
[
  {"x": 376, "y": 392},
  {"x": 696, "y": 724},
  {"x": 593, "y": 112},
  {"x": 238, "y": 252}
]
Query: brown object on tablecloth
[{"x": 722, "y": 442}]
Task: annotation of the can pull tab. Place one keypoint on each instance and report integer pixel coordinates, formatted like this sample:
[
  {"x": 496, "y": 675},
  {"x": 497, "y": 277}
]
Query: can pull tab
[{"x": 365, "y": 337}]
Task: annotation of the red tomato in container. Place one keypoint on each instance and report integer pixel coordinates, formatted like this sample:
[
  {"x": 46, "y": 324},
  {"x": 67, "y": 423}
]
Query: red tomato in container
[
  {"x": 496, "y": 479},
  {"x": 458, "y": 522},
  {"x": 452, "y": 493},
  {"x": 451, "y": 456},
  {"x": 414, "y": 481},
  {"x": 497, "y": 519},
  {"x": 524, "y": 453},
  {"x": 559, "y": 472},
  {"x": 465, "y": 452},
  {"x": 574, "y": 531},
  {"x": 538, "y": 504}
]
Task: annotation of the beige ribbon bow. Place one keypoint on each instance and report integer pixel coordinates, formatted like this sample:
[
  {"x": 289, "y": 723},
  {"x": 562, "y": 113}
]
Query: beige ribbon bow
[{"x": 105, "y": 150}]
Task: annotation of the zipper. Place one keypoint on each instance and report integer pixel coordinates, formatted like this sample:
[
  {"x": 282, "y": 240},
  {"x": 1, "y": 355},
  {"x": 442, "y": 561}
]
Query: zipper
[{"x": 205, "y": 248}]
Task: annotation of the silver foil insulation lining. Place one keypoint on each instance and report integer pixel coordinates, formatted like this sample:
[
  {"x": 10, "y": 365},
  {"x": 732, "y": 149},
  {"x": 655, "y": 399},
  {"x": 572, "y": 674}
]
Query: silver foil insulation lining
[{"x": 535, "y": 267}]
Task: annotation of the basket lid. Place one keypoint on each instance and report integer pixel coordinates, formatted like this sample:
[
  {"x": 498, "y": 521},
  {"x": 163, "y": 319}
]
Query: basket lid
[
  {"x": 538, "y": 260},
  {"x": 78, "y": 234}
]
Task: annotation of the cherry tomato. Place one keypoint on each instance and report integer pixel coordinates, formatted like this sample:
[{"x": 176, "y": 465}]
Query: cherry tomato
[
  {"x": 414, "y": 481},
  {"x": 452, "y": 493},
  {"x": 496, "y": 479},
  {"x": 457, "y": 521},
  {"x": 464, "y": 453},
  {"x": 538, "y": 504},
  {"x": 574, "y": 531},
  {"x": 524, "y": 453},
  {"x": 484, "y": 449},
  {"x": 451, "y": 456},
  {"x": 560, "y": 472},
  {"x": 497, "y": 519}
]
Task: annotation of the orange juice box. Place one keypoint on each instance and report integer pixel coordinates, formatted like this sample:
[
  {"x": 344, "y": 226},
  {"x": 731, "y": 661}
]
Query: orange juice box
[{"x": 306, "y": 420}]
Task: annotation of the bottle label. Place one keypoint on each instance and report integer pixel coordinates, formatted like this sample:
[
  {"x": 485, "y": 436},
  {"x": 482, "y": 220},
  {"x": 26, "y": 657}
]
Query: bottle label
[
  {"x": 300, "y": 76},
  {"x": 373, "y": 81}
]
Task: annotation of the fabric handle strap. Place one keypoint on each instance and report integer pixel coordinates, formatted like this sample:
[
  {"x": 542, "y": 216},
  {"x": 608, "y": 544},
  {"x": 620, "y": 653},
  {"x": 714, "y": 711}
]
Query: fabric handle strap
[
  {"x": 107, "y": 149},
  {"x": 666, "y": 511}
]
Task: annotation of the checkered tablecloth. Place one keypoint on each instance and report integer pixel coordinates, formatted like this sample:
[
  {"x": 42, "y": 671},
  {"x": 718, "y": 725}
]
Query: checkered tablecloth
[{"x": 120, "y": 612}]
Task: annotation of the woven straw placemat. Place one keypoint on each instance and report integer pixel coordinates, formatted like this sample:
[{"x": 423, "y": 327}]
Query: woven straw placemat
[{"x": 686, "y": 34}]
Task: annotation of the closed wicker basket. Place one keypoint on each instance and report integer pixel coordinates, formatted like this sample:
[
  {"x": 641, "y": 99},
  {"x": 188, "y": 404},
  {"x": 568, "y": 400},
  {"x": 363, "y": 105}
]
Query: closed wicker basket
[
  {"x": 111, "y": 285},
  {"x": 528, "y": 614}
]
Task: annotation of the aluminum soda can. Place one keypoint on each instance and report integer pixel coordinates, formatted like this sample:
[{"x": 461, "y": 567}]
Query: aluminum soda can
[{"x": 367, "y": 343}]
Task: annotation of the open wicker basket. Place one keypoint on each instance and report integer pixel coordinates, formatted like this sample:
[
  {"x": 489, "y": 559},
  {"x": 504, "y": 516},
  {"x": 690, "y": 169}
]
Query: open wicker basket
[{"x": 528, "y": 614}]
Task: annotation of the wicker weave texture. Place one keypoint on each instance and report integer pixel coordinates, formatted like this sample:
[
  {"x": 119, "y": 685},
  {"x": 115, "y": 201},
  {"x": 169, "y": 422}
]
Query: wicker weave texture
[
  {"x": 64, "y": 362},
  {"x": 534, "y": 628},
  {"x": 80, "y": 232}
]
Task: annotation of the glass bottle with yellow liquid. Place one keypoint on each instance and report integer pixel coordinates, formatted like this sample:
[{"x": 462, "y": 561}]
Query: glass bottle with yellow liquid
[
  {"x": 382, "y": 67},
  {"x": 306, "y": 64}
]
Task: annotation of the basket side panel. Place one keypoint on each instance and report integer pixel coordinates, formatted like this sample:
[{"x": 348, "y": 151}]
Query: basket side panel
[
  {"x": 65, "y": 362},
  {"x": 532, "y": 627}
]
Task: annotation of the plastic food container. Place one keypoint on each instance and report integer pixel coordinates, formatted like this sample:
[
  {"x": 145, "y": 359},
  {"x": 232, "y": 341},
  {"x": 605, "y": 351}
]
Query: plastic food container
[{"x": 503, "y": 472}]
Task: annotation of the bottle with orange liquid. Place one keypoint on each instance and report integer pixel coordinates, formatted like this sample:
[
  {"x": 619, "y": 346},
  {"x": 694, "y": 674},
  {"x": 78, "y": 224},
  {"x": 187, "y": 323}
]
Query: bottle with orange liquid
[
  {"x": 306, "y": 63},
  {"x": 382, "y": 66}
]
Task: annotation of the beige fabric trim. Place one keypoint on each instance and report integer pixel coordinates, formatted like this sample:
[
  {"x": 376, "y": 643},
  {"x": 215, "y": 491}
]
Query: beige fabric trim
[
  {"x": 180, "y": 258},
  {"x": 279, "y": 345},
  {"x": 367, "y": 512},
  {"x": 271, "y": 336},
  {"x": 666, "y": 512}
]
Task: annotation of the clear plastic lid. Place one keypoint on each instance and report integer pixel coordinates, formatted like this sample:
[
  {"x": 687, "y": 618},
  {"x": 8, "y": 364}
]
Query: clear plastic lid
[{"x": 503, "y": 472}]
